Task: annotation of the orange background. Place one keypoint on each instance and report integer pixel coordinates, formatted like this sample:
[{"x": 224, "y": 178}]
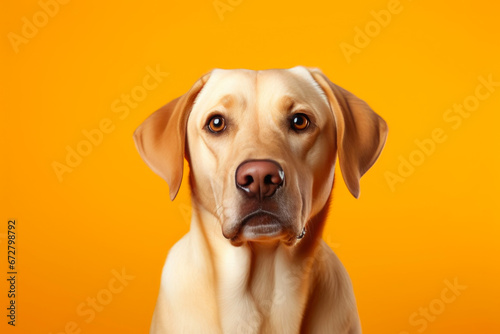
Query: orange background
[{"x": 112, "y": 212}]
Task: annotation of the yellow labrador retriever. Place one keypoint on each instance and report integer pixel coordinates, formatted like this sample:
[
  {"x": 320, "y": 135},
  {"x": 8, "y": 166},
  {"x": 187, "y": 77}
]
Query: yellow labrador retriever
[{"x": 262, "y": 148}]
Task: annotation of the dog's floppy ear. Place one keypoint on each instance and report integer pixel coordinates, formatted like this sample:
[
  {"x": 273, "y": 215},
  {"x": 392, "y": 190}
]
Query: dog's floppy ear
[
  {"x": 160, "y": 139},
  {"x": 361, "y": 133}
]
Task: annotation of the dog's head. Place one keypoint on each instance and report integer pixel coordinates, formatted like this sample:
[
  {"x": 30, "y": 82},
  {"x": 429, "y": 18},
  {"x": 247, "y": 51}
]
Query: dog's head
[{"x": 262, "y": 147}]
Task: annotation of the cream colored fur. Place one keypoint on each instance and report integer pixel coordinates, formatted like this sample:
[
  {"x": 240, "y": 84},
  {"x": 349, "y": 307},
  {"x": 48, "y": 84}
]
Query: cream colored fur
[{"x": 214, "y": 285}]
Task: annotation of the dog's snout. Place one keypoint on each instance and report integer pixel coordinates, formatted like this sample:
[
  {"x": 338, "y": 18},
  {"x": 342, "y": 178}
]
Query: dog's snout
[{"x": 259, "y": 178}]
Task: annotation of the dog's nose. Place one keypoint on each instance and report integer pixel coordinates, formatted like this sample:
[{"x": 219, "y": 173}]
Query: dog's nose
[{"x": 259, "y": 178}]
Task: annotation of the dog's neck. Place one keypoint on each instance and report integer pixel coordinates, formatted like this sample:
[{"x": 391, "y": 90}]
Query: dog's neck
[{"x": 256, "y": 283}]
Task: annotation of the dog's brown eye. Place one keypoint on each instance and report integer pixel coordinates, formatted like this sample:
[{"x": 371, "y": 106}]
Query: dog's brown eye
[
  {"x": 217, "y": 124},
  {"x": 300, "y": 122}
]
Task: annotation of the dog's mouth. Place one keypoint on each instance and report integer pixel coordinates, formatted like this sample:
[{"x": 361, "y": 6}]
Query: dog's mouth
[{"x": 261, "y": 226}]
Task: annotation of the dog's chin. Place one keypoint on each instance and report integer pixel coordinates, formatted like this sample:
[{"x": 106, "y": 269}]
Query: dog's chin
[{"x": 261, "y": 227}]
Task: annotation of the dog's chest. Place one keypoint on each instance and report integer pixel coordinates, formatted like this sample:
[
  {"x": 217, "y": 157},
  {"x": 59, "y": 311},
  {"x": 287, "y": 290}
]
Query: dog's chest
[
  {"x": 265, "y": 294},
  {"x": 262, "y": 282}
]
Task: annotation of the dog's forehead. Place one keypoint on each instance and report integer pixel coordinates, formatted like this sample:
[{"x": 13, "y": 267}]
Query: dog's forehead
[{"x": 259, "y": 86}]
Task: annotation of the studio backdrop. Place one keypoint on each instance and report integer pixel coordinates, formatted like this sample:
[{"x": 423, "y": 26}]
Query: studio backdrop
[{"x": 86, "y": 225}]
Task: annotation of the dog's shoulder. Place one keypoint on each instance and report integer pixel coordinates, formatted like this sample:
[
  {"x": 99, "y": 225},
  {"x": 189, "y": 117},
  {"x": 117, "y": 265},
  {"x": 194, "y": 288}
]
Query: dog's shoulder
[
  {"x": 332, "y": 305},
  {"x": 186, "y": 292},
  {"x": 185, "y": 267},
  {"x": 331, "y": 270}
]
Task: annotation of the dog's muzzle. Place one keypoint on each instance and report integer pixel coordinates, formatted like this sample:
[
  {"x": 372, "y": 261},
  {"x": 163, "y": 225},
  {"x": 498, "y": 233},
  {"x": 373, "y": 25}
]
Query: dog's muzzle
[{"x": 262, "y": 213}]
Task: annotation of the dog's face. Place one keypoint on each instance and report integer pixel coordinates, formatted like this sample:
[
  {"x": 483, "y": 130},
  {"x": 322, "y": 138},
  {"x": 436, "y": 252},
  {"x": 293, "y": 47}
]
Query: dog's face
[
  {"x": 274, "y": 123},
  {"x": 262, "y": 147}
]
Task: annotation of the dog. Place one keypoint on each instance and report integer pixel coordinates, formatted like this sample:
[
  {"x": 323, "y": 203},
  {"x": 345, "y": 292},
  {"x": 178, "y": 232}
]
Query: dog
[{"x": 262, "y": 148}]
